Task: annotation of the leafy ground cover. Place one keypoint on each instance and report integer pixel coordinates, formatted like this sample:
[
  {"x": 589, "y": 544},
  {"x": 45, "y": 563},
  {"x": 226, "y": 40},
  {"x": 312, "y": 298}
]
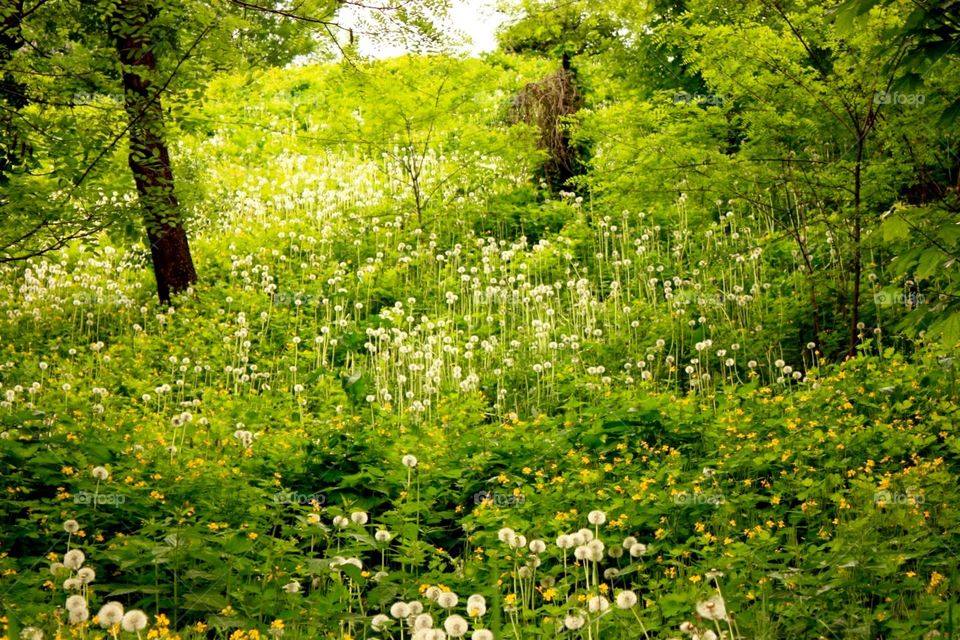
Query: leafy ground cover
[{"x": 507, "y": 413}]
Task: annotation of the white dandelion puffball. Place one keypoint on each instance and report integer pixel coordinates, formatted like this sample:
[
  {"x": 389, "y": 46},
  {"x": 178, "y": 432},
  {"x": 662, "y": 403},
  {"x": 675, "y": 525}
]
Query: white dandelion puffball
[
  {"x": 712, "y": 609},
  {"x": 379, "y": 622},
  {"x": 596, "y": 550},
  {"x": 506, "y": 534},
  {"x": 78, "y": 615},
  {"x": 101, "y": 473},
  {"x": 57, "y": 567},
  {"x": 447, "y": 600},
  {"x": 416, "y": 607},
  {"x": 134, "y": 621},
  {"x": 456, "y": 626},
  {"x": 598, "y": 604},
  {"x": 482, "y": 634},
  {"x": 409, "y": 461},
  {"x": 71, "y": 584},
  {"x": 400, "y": 610},
  {"x": 76, "y": 602},
  {"x": 537, "y": 546},
  {"x": 86, "y": 575},
  {"x": 423, "y": 621},
  {"x": 31, "y": 633},
  {"x": 638, "y": 550},
  {"x": 476, "y": 605},
  {"x": 71, "y": 526},
  {"x": 110, "y": 614},
  {"x": 586, "y": 535},
  {"x": 596, "y": 518},
  {"x": 626, "y": 599},
  {"x": 383, "y": 535},
  {"x": 433, "y": 593},
  {"x": 573, "y": 622},
  {"x": 73, "y": 559},
  {"x": 340, "y": 522},
  {"x": 359, "y": 517},
  {"x": 564, "y": 542}
]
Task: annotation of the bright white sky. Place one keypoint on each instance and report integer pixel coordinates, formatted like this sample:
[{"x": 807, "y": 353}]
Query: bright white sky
[{"x": 476, "y": 20}]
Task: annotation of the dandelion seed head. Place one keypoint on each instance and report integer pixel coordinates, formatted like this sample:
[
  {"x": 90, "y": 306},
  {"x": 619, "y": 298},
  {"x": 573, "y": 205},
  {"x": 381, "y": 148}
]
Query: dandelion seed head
[
  {"x": 80, "y": 614},
  {"x": 423, "y": 621},
  {"x": 626, "y": 599},
  {"x": 379, "y": 622},
  {"x": 31, "y": 633},
  {"x": 596, "y": 518},
  {"x": 134, "y": 621},
  {"x": 75, "y": 602},
  {"x": 456, "y": 626},
  {"x": 574, "y": 622},
  {"x": 73, "y": 559},
  {"x": 110, "y": 614},
  {"x": 447, "y": 600}
]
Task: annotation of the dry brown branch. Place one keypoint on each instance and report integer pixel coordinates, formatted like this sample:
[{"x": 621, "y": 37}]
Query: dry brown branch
[{"x": 548, "y": 104}]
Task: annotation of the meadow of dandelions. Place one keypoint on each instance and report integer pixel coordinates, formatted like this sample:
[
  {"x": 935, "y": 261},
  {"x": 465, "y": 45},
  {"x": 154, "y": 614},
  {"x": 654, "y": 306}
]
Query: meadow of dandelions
[{"x": 333, "y": 320}]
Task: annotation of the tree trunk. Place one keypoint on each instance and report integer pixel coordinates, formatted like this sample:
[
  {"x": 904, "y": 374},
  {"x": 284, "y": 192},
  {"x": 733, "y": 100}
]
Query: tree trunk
[
  {"x": 12, "y": 93},
  {"x": 149, "y": 156},
  {"x": 11, "y": 39}
]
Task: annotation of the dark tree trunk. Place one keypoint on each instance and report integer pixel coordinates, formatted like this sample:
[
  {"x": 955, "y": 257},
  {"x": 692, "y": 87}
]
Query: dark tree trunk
[
  {"x": 12, "y": 93},
  {"x": 11, "y": 39},
  {"x": 149, "y": 157}
]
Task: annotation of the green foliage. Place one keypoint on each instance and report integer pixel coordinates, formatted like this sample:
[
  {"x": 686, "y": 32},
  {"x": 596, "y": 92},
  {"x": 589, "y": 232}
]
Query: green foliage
[{"x": 401, "y": 329}]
